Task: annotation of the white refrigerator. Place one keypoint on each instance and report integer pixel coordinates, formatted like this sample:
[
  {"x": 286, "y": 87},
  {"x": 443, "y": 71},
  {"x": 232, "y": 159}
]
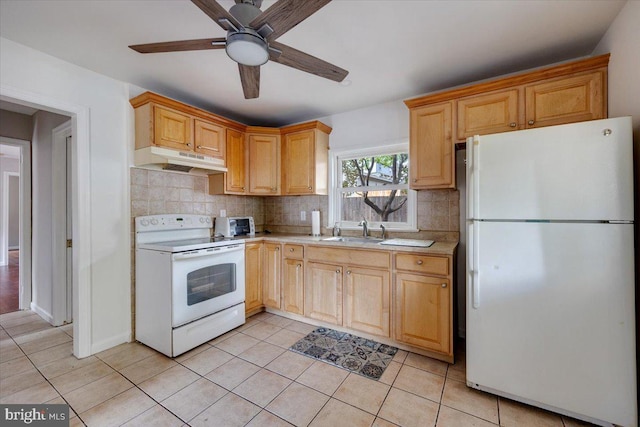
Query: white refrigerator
[{"x": 550, "y": 269}]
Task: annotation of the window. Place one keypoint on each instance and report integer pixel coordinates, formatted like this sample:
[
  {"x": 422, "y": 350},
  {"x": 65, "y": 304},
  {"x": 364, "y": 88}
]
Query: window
[{"x": 373, "y": 184}]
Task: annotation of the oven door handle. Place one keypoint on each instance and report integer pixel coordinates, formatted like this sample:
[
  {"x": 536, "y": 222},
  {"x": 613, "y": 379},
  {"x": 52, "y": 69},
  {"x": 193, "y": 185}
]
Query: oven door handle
[{"x": 206, "y": 252}]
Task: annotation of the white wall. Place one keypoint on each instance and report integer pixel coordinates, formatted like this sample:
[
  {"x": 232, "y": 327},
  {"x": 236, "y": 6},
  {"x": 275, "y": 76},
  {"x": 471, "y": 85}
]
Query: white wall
[
  {"x": 380, "y": 124},
  {"x": 42, "y": 208},
  {"x": 23, "y": 69}
]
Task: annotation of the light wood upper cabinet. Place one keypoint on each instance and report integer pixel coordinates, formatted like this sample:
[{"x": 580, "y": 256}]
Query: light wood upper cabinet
[
  {"x": 272, "y": 273},
  {"x": 323, "y": 292},
  {"x": 488, "y": 113},
  {"x": 431, "y": 159},
  {"x": 264, "y": 163},
  {"x": 172, "y": 129},
  {"x": 366, "y": 300},
  {"x": 564, "y": 93},
  {"x": 566, "y": 100},
  {"x": 235, "y": 180},
  {"x": 209, "y": 139},
  {"x": 253, "y": 276},
  {"x": 305, "y": 159}
]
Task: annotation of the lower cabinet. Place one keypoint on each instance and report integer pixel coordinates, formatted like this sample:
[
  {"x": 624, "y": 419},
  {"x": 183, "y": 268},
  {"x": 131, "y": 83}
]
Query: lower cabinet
[
  {"x": 253, "y": 276},
  {"x": 410, "y": 303},
  {"x": 366, "y": 300},
  {"x": 323, "y": 292},
  {"x": 271, "y": 279},
  {"x": 293, "y": 279},
  {"x": 423, "y": 303}
]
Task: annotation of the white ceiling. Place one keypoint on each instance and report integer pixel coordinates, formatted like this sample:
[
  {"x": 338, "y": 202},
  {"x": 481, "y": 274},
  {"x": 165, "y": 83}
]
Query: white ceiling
[{"x": 393, "y": 49}]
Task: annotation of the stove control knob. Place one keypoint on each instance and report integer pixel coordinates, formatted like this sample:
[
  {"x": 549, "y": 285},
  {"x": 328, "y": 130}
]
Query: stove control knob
[
  {"x": 154, "y": 222},
  {"x": 208, "y": 220},
  {"x": 144, "y": 222},
  {"x": 202, "y": 220}
]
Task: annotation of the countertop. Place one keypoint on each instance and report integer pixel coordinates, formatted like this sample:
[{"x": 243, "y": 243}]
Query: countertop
[{"x": 438, "y": 248}]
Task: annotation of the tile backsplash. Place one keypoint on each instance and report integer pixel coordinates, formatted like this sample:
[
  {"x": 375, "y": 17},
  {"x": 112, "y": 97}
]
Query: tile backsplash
[{"x": 161, "y": 192}]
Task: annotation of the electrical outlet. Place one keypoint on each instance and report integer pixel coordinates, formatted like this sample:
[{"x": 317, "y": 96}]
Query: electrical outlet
[
  {"x": 303, "y": 215},
  {"x": 223, "y": 213}
]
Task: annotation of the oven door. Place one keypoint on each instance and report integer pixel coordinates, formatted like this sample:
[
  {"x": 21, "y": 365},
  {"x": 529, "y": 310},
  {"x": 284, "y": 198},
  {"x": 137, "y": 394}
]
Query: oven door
[{"x": 206, "y": 281}]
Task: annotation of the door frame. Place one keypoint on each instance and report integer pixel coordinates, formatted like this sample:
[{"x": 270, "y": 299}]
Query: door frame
[
  {"x": 5, "y": 211},
  {"x": 59, "y": 224},
  {"x": 81, "y": 206},
  {"x": 24, "y": 273}
]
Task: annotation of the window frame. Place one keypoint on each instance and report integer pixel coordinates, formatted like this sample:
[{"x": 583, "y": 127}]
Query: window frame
[{"x": 335, "y": 206}]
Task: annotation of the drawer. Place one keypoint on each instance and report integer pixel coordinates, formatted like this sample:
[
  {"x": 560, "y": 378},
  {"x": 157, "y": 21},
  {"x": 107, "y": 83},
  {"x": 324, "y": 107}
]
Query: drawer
[
  {"x": 351, "y": 256},
  {"x": 293, "y": 251},
  {"x": 423, "y": 264}
]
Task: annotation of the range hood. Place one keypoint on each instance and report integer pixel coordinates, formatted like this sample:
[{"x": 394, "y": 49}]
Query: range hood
[{"x": 181, "y": 161}]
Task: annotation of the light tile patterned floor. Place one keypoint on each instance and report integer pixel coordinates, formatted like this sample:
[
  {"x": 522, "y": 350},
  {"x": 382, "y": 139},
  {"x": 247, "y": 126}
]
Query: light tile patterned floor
[{"x": 246, "y": 377}]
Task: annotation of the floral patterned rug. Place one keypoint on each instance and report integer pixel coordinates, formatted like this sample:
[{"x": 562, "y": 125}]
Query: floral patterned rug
[{"x": 360, "y": 355}]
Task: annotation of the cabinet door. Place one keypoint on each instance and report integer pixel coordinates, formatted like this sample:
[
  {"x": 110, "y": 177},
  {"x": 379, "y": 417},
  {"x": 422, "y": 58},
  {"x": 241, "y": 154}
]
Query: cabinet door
[
  {"x": 366, "y": 302},
  {"x": 566, "y": 100},
  {"x": 272, "y": 269},
  {"x": 323, "y": 292},
  {"x": 299, "y": 164},
  {"x": 264, "y": 164},
  {"x": 487, "y": 113},
  {"x": 293, "y": 286},
  {"x": 236, "y": 176},
  {"x": 209, "y": 139},
  {"x": 431, "y": 147},
  {"x": 423, "y": 311},
  {"x": 253, "y": 276},
  {"x": 172, "y": 129}
]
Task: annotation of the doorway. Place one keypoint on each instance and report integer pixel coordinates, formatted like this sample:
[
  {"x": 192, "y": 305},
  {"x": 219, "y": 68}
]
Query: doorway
[
  {"x": 15, "y": 224},
  {"x": 80, "y": 172}
]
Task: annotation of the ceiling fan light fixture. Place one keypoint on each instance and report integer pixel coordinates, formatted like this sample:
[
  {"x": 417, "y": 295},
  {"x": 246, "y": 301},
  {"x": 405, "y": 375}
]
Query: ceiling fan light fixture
[{"x": 247, "y": 48}]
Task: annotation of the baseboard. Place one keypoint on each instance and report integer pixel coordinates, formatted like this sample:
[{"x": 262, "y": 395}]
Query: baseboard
[
  {"x": 41, "y": 312},
  {"x": 110, "y": 342}
]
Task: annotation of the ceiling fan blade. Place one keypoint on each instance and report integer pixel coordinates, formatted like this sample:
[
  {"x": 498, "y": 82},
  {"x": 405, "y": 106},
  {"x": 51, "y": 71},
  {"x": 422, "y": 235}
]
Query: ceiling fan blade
[
  {"x": 216, "y": 12},
  {"x": 181, "y": 45},
  {"x": 305, "y": 62},
  {"x": 286, "y": 14},
  {"x": 250, "y": 78}
]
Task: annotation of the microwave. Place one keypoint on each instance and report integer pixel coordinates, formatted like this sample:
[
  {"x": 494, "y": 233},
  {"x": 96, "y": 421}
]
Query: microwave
[{"x": 235, "y": 226}]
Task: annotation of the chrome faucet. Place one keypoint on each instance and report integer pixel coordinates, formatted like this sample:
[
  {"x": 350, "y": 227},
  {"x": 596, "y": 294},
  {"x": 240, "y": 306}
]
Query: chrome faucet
[
  {"x": 365, "y": 227},
  {"x": 384, "y": 231}
]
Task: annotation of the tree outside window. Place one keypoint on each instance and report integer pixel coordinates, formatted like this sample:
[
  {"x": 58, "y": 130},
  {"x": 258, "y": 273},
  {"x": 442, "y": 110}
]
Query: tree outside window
[{"x": 374, "y": 186}]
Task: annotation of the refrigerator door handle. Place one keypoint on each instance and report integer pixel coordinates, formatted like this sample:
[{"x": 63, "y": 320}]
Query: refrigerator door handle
[
  {"x": 472, "y": 255},
  {"x": 470, "y": 167}
]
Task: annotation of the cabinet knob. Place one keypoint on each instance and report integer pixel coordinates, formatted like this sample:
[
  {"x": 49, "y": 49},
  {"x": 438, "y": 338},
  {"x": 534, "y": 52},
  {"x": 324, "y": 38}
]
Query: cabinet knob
[
  {"x": 512, "y": 124},
  {"x": 188, "y": 144},
  {"x": 338, "y": 271},
  {"x": 242, "y": 188},
  {"x": 310, "y": 188},
  {"x": 290, "y": 249},
  {"x": 415, "y": 180},
  {"x": 277, "y": 249},
  {"x": 299, "y": 265},
  {"x": 419, "y": 262},
  {"x": 531, "y": 122},
  {"x": 348, "y": 271},
  {"x": 444, "y": 285}
]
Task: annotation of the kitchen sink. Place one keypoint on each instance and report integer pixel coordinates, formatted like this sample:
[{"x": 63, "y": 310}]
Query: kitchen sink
[{"x": 347, "y": 239}]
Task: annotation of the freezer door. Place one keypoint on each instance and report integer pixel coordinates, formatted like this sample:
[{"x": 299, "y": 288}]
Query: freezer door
[
  {"x": 550, "y": 316},
  {"x": 580, "y": 171}
]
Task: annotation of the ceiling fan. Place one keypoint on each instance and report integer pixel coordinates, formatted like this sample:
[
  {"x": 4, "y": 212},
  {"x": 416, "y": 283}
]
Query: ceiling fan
[{"x": 251, "y": 36}]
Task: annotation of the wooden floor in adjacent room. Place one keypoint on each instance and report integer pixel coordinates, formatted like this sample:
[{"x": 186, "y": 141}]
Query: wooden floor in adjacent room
[{"x": 9, "y": 284}]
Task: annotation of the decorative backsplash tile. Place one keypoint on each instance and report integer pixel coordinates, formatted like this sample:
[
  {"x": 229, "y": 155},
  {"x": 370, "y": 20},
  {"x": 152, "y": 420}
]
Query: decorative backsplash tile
[{"x": 160, "y": 192}]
